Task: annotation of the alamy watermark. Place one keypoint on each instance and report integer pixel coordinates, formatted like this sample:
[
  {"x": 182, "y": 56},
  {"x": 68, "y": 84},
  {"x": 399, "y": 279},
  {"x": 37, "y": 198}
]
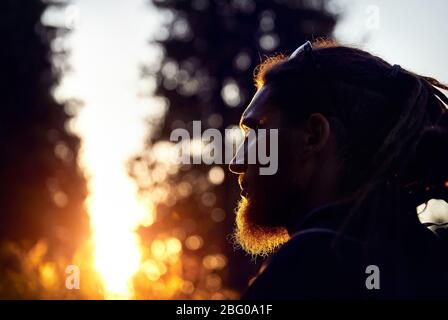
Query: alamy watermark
[
  {"x": 259, "y": 147},
  {"x": 73, "y": 279},
  {"x": 373, "y": 279}
]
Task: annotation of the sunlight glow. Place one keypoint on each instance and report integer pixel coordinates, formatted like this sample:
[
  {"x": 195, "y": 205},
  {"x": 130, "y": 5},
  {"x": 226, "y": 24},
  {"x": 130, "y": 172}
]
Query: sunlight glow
[
  {"x": 112, "y": 126},
  {"x": 115, "y": 213}
]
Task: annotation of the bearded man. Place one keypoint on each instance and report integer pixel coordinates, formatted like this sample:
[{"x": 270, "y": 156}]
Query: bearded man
[{"x": 361, "y": 144}]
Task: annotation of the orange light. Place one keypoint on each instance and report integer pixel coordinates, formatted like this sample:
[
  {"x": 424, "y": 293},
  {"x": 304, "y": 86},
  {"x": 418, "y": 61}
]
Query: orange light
[{"x": 115, "y": 214}]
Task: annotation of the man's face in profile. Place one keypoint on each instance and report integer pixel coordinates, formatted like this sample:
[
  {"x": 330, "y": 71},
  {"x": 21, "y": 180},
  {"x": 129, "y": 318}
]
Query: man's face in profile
[{"x": 267, "y": 201}]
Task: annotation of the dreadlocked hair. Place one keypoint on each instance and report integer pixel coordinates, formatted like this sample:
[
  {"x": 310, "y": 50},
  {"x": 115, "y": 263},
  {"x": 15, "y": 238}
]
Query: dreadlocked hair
[{"x": 391, "y": 124}]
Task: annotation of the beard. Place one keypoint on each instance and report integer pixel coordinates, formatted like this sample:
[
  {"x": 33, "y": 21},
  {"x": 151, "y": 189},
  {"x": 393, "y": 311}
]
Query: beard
[
  {"x": 258, "y": 229},
  {"x": 273, "y": 202}
]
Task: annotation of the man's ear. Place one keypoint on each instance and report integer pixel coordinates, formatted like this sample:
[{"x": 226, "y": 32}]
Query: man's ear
[{"x": 317, "y": 133}]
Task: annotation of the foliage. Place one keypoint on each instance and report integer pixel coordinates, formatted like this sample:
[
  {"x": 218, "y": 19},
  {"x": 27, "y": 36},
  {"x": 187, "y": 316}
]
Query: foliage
[{"x": 42, "y": 190}]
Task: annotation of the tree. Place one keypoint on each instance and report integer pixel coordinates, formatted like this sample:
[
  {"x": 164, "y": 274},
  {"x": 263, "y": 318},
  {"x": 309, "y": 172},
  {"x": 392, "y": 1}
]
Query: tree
[
  {"x": 211, "y": 48},
  {"x": 42, "y": 189}
]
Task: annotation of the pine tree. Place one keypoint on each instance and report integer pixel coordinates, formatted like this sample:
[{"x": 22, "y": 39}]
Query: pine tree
[{"x": 42, "y": 189}]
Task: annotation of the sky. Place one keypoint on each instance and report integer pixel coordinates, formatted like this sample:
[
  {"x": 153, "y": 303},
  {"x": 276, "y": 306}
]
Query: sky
[
  {"x": 108, "y": 46},
  {"x": 411, "y": 33}
]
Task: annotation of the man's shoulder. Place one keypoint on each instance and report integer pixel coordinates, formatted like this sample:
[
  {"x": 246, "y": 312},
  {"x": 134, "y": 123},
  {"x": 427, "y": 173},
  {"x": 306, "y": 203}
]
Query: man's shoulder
[
  {"x": 317, "y": 242},
  {"x": 313, "y": 263}
]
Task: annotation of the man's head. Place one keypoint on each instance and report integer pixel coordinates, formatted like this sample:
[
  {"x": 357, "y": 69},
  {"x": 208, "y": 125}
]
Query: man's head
[
  {"x": 305, "y": 178},
  {"x": 334, "y": 112}
]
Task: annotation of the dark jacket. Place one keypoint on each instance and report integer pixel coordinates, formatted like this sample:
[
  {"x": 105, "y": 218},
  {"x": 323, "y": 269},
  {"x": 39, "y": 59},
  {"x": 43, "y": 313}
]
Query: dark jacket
[{"x": 320, "y": 263}]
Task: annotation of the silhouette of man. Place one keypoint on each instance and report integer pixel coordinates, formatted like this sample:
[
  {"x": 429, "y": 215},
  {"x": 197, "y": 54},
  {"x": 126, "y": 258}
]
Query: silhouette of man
[{"x": 361, "y": 145}]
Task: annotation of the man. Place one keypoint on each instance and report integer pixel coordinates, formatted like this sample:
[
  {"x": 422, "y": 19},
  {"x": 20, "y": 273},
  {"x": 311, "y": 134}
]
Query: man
[{"x": 361, "y": 145}]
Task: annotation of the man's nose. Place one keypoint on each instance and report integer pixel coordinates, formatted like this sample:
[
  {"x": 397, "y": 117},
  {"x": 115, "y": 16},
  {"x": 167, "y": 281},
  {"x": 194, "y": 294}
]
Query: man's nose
[{"x": 237, "y": 165}]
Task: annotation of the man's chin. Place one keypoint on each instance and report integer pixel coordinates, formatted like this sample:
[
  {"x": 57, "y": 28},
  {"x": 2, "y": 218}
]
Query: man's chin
[{"x": 256, "y": 238}]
